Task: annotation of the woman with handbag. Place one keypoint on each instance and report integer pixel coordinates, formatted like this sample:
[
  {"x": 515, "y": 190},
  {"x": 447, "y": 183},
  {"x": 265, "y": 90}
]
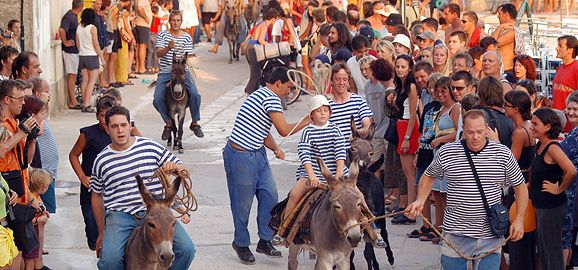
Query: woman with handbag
[
  {"x": 518, "y": 107},
  {"x": 551, "y": 174}
]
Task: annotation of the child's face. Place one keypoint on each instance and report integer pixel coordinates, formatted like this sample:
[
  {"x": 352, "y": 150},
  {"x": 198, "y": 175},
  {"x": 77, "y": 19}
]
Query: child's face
[
  {"x": 100, "y": 116},
  {"x": 321, "y": 115},
  {"x": 43, "y": 189}
]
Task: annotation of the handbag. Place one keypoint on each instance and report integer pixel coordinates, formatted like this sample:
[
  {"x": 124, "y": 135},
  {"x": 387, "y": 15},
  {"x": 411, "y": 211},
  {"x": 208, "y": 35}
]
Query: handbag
[
  {"x": 498, "y": 215},
  {"x": 391, "y": 132},
  {"x": 20, "y": 222}
]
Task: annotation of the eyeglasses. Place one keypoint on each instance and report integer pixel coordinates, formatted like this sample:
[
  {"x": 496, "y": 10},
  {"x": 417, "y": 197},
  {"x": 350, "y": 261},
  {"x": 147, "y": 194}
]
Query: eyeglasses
[
  {"x": 509, "y": 105},
  {"x": 458, "y": 88},
  {"x": 17, "y": 98},
  {"x": 464, "y": 21}
]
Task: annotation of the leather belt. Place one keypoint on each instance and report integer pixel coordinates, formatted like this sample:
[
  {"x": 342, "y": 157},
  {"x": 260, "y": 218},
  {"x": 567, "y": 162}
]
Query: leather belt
[{"x": 236, "y": 146}]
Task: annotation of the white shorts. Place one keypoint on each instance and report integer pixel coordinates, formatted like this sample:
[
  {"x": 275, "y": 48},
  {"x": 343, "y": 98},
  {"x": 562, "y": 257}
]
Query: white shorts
[
  {"x": 70, "y": 63},
  {"x": 299, "y": 61}
]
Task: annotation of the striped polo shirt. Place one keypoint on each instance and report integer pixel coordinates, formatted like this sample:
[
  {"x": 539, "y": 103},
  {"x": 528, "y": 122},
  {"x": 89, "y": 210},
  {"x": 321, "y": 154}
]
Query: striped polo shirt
[
  {"x": 183, "y": 44},
  {"x": 253, "y": 123},
  {"x": 341, "y": 114},
  {"x": 114, "y": 172},
  {"x": 465, "y": 214},
  {"x": 326, "y": 143}
]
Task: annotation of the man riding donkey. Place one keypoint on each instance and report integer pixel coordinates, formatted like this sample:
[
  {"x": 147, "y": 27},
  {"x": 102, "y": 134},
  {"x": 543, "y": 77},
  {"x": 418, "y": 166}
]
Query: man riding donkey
[
  {"x": 171, "y": 43},
  {"x": 246, "y": 164},
  {"x": 116, "y": 201}
]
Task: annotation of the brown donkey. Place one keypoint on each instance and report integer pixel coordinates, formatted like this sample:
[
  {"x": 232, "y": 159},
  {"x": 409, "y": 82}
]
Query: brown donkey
[
  {"x": 331, "y": 237},
  {"x": 150, "y": 246}
]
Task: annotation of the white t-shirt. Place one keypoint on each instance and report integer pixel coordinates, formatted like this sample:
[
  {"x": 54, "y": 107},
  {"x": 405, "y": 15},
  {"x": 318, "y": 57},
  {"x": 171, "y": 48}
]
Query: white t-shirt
[
  {"x": 358, "y": 78},
  {"x": 190, "y": 15},
  {"x": 85, "y": 46}
]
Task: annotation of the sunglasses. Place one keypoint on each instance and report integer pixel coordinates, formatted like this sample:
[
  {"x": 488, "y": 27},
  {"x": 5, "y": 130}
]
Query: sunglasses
[
  {"x": 458, "y": 88},
  {"x": 464, "y": 21}
]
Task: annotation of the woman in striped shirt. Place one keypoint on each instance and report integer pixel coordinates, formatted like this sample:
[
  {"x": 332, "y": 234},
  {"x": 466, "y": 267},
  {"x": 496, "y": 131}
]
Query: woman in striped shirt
[{"x": 321, "y": 139}]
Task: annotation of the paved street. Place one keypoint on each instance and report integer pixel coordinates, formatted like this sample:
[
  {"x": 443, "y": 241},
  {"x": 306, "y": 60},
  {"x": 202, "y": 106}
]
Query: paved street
[{"x": 211, "y": 228}]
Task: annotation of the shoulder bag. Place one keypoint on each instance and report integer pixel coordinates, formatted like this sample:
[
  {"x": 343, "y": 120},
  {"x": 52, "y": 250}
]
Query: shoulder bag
[
  {"x": 20, "y": 222},
  {"x": 498, "y": 215}
]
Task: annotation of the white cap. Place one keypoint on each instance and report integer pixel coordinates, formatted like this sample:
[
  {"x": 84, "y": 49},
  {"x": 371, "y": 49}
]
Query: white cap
[
  {"x": 316, "y": 102},
  {"x": 402, "y": 40},
  {"x": 386, "y": 11}
]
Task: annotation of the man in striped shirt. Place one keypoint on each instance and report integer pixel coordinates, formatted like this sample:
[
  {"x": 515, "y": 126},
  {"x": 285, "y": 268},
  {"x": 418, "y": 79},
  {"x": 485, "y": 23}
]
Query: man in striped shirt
[
  {"x": 116, "y": 202},
  {"x": 465, "y": 220},
  {"x": 247, "y": 167},
  {"x": 178, "y": 42}
]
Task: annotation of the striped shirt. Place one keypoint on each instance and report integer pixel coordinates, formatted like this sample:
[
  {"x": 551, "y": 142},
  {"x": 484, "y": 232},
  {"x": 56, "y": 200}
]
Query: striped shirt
[
  {"x": 183, "y": 44},
  {"x": 465, "y": 214},
  {"x": 326, "y": 143},
  {"x": 113, "y": 174},
  {"x": 341, "y": 115},
  {"x": 253, "y": 123}
]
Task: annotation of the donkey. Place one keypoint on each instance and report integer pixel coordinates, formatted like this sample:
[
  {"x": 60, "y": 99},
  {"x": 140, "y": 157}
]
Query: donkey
[
  {"x": 252, "y": 12},
  {"x": 372, "y": 189},
  {"x": 233, "y": 29},
  {"x": 177, "y": 100},
  {"x": 150, "y": 246},
  {"x": 331, "y": 236}
]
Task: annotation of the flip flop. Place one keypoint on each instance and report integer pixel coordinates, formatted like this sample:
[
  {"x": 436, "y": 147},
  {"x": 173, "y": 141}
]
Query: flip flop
[{"x": 132, "y": 76}]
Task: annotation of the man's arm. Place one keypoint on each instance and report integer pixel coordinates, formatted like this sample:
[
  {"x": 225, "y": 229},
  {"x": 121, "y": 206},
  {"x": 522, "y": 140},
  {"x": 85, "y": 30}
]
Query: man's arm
[
  {"x": 517, "y": 227},
  {"x": 425, "y": 186},
  {"x": 98, "y": 212},
  {"x": 285, "y": 129}
]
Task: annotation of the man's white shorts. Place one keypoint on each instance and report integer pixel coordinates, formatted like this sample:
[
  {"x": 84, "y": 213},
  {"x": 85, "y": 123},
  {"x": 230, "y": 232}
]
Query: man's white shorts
[{"x": 70, "y": 62}]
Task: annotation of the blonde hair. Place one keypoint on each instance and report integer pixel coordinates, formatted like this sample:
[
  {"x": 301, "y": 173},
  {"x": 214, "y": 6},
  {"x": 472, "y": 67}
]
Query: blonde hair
[
  {"x": 366, "y": 60},
  {"x": 447, "y": 70},
  {"x": 38, "y": 178},
  {"x": 384, "y": 45}
]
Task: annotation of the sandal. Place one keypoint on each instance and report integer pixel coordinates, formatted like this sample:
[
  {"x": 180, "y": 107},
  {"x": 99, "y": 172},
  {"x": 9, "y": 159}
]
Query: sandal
[
  {"x": 77, "y": 107},
  {"x": 418, "y": 233},
  {"x": 132, "y": 76},
  {"x": 427, "y": 236}
]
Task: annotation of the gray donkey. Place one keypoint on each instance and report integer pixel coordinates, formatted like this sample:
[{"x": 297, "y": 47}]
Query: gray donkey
[
  {"x": 331, "y": 236},
  {"x": 150, "y": 246},
  {"x": 177, "y": 99}
]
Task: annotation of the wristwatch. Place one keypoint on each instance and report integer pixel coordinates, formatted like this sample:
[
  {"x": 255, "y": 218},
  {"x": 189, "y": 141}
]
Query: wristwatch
[{"x": 406, "y": 138}]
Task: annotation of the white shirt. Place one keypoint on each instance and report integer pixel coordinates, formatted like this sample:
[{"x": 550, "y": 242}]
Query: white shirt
[
  {"x": 358, "y": 78},
  {"x": 85, "y": 46}
]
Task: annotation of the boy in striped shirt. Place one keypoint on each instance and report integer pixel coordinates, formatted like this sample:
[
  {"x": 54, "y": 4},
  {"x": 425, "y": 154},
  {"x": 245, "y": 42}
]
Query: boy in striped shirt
[{"x": 321, "y": 139}]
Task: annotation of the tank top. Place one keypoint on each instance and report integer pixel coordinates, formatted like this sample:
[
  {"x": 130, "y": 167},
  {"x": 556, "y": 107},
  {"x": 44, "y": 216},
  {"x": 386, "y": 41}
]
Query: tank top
[
  {"x": 445, "y": 121},
  {"x": 527, "y": 156},
  {"x": 85, "y": 47},
  {"x": 96, "y": 140},
  {"x": 543, "y": 171},
  {"x": 402, "y": 103}
]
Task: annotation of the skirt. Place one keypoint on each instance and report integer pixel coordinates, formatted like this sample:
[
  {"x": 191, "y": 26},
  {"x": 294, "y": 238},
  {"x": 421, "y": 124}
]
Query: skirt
[
  {"x": 121, "y": 70},
  {"x": 413, "y": 138},
  {"x": 393, "y": 174},
  {"x": 8, "y": 249}
]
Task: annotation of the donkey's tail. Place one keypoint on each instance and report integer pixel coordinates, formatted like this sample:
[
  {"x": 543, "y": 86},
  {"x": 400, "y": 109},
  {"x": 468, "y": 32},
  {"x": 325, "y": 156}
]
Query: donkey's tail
[{"x": 153, "y": 84}]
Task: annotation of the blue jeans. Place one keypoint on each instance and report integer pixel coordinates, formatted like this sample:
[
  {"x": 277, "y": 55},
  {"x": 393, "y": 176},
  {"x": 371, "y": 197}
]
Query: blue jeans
[
  {"x": 249, "y": 174},
  {"x": 90, "y": 227},
  {"x": 159, "y": 97},
  {"x": 119, "y": 226},
  {"x": 472, "y": 247},
  {"x": 49, "y": 198}
]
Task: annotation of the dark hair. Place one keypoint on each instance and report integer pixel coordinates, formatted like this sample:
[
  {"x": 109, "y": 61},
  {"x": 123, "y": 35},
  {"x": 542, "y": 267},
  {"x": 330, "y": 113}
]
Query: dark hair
[
  {"x": 339, "y": 16},
  {"x": 474, "y": 114},
  {"x": 410, "y": 78},
  {"x": 174, "y": 13},
  {"x": 324, "y": 29},
  {"x": 32, "y": 105},
  {"x": 11, "y": 23},
  {"x": 431, "y": 22},
  {"x": 476, "y": 52},
  {"x": 113, "y": 93},
  {"x": 367, "y": 9},
  {"x": 352, "y": 18},
  {"x": 491, "y": 92},
  {"x": 571, "y": 43},
  {"x": 278, "y": 74},
  {"x": 271, "y": 14},
  {"x": 549, "y": 117},
  {"x": 343, "y": 39},
  {"x": 573, "y": 97},
  {"x": 423, "y": 65},
  {"x": 460, "y": 34},
  {"x": 88, "y": 17},
  {"x": 360, "y": 42},
  {"x": 529, "y": 85},
  {"x": 529, "y": 65},
  {"x": 487, "y": 41},
  {"x": 382, "y": 70},
  {"x": 37, "y": 84},
  {"x": 77, "y": 4},
  {"x": 454, "y": 8},
  {"x": 22, "y": 60},
  {"x": 318, "y": 14},
  {"x": 364, "y": 22},
  {"x": 400, "y": 29},
  {"x": 5, "y": 53},
  {"x": 463, "y": 75},
  {"x": 7, "y": 87},
  {"x": 446, "y": 83},
  {"x": 116, "y": 110},
  {"x": 472, "y": 15},
  {"x": 352, "y": 7},
  {"x": 470, "y": 101},
  {"x": 324, "y": 4},
  {"x": 330, "y": 11},
  {"x": 521, "y": 101},
  {"x": 510, "y": 9},
  {"x": 105, "y": 103}
]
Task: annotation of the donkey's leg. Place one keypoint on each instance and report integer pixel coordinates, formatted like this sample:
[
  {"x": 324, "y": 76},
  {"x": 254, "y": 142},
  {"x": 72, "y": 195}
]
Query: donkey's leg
[
  {"x": 182, "y": 114},
  {"x": 231, "y": 49},
  {"x": 351, "y": 264},
  {"x": 237, "y": 48},
  {"x": 342, "y": 264},
  {"x": 175, "y": 134},
  {"x": 170, "y": 138},
  {"x": 383, "y": 232},
  {"x": 369, "y": 254},
  {"x": 325, "y": 262},
  {"x": 292, "y": 260}
]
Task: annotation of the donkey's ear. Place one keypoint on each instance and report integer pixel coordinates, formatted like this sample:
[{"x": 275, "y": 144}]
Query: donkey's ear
[
  {"x": 170, "y": 194},
  {"x": 185, "y": 59},
  {"x": 174, "y": 57},
  {"x": 354, "y": 132},
  {"x": 353, "y": 167},
  {"x": 147, "y": 197},
  {"x": 326, "y": 173},
  {"x": 370, "y": 132}
]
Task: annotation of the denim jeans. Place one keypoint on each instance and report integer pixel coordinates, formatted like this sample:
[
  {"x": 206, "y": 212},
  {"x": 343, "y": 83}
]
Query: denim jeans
[
  {"x": 472, "y": 247},
  {"x": 159, "y": 101},
  {"x": 249, "y": 174},
  {"x": 49, "y": 198},
  {"x": 90, "y": 227},
  {"x": 118, "y": 228}
]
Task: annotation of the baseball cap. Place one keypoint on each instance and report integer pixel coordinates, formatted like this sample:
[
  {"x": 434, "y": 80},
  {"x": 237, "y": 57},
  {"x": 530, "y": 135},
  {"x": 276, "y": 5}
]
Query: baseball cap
[
  {"x": 427, "y": 35},
  {"x": 393, "y": 19},
  {"x": 342, "y": 55},
  {"x": 402, "y": 40},
  {"x": 323, "y": 58},
  {"x": 316, "y": 102},
  {"x": 367, "y": 32},
  {"x": 386, "y": 11}
]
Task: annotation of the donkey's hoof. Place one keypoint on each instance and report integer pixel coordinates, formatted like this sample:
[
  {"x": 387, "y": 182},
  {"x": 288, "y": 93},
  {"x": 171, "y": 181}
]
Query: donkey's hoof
[
  {"x": 181, "y": 150},
  {"x": 231, "y": 61},
  {"x": 169, "y": 143},
  {"x": 237, "y": 59},
  {"x": 175, "y": 147}
]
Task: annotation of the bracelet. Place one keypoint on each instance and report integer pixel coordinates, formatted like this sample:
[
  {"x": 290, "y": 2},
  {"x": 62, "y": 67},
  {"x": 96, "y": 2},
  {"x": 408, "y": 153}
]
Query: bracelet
[{"x": 406, "y": 138}]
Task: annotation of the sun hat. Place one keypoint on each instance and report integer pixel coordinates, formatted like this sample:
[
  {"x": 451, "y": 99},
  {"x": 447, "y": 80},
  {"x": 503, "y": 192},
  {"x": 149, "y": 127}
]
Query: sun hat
[
  {"x": 403, "y": 40},
  {"x": 393, "y": 19},
  {"x": 427, "y": 35},
  {"x": 317, "y": 102},
  {"x": 386, "y": 11}
]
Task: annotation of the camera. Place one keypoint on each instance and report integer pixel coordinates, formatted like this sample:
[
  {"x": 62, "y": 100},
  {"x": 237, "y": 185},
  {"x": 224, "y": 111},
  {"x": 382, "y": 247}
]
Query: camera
[
  {"x": 32, "y": 133},
  {"x": 5, "y": 34}
]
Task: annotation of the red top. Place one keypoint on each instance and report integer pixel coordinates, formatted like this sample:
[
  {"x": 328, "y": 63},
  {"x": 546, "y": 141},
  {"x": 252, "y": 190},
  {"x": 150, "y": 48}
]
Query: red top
[
  {"x": 300, "y": 9},
  {"x": 475, "y": 39},
  {"x": 565, "y": 81},
  {"x": 156, "y": 25}
]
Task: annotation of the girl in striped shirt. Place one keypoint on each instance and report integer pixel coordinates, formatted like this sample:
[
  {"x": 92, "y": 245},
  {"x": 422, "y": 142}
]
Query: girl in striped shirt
[{"x": 321, "y": 139}]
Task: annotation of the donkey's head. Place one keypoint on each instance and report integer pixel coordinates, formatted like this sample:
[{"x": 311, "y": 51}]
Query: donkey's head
[
  {"x": 345, "y": 202},
  {"x": 362, "y": 145},
  {"x": 179, "y": 73},
  {"x": 158, "y": 224}
]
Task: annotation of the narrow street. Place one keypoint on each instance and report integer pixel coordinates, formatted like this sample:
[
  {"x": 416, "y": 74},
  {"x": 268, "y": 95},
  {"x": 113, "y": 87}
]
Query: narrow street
[{"x": 211, "y": 228}]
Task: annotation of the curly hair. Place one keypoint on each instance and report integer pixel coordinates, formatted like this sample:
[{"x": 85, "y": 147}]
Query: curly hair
[
  {"x": 382, "y": 70},
  {"x": 528, "y": 63}
]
